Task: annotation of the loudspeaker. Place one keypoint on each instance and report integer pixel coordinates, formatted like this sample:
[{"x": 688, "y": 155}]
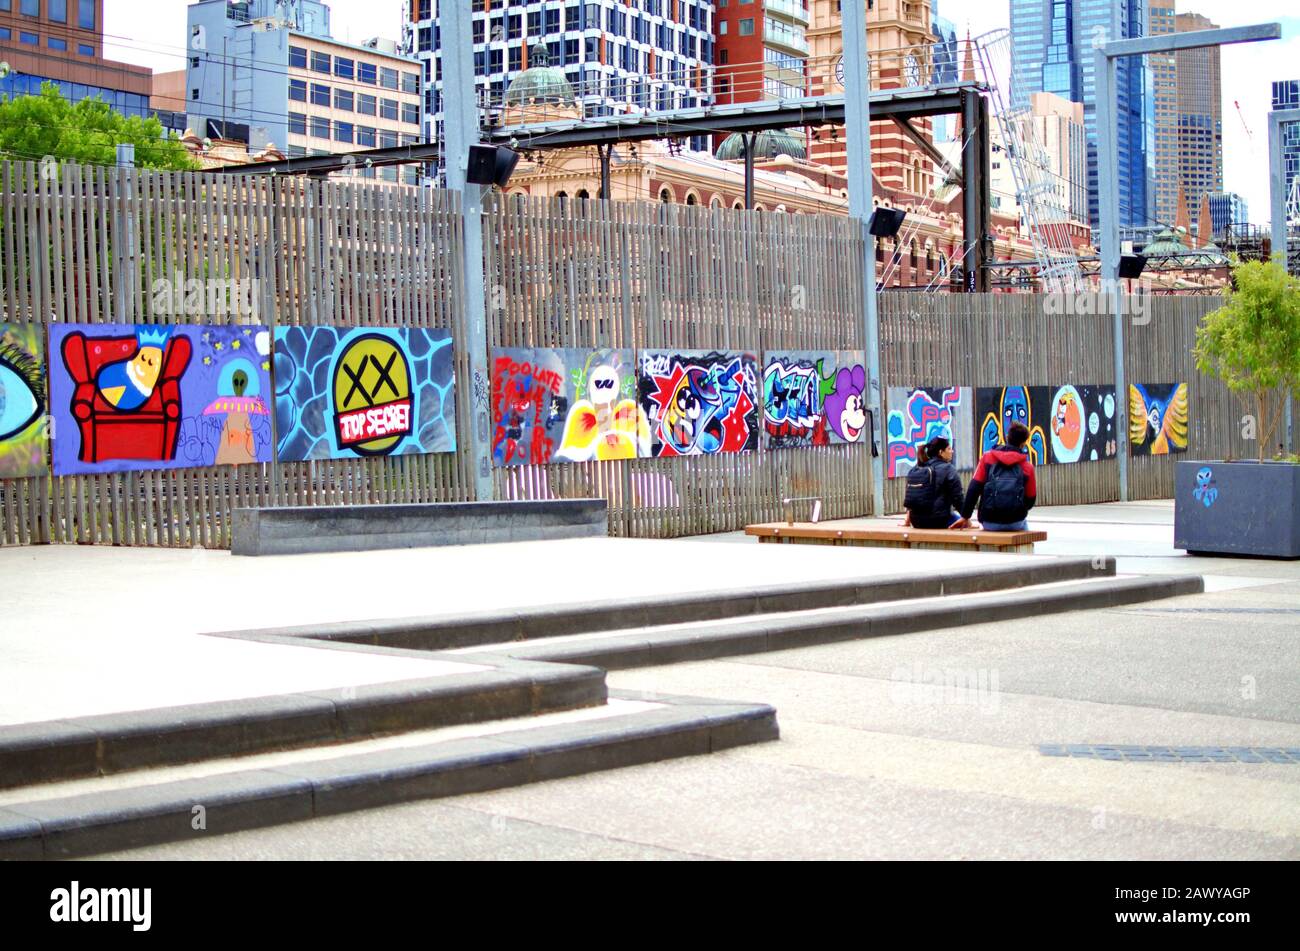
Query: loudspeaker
[
  {"x": 885, "y": 222},
  {"x": 491, "y": 165},
  {"x": 1131, "y": 266}
]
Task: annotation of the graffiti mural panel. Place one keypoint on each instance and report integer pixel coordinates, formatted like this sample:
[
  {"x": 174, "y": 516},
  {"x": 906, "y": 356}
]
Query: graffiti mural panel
[
  {"x": 565, "y": 405},
  {"x": 916, "y": 415},
  {"x": 700, "y": 402},
  {"x": 22, "y": 401},
  {"x": 131, "y": 397},
  {"x": 1081, "y": 427},
  {"x": 813, "y": 398},
  {"x": 1159, "y": 418},
  {"x": 996, "y": 408},
  {"x": 352, "y": 392}
]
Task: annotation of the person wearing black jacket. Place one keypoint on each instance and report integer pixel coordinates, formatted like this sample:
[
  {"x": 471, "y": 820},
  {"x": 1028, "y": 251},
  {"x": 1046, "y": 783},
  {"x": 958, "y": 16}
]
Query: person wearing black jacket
[{"x": 938, "y": 504}]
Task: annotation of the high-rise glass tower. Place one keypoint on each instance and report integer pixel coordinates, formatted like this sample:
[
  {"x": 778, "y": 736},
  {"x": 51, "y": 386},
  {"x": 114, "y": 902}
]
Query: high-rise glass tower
[{"x": 1052, "y": 50}]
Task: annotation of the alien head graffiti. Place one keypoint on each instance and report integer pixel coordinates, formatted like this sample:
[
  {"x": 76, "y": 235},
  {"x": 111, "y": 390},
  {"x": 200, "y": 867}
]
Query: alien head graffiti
[{"x": 1206, "y": 491}]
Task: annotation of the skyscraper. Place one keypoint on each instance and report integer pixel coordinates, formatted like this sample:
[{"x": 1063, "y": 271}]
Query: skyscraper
[
  {"x": 1053, "y": 43},
  {"x": 1286, "y": 95},
  {"x": 947, "y": 65},
  {"x": 1162, "y": 136},
  {"x": 1200, "y": 115}
]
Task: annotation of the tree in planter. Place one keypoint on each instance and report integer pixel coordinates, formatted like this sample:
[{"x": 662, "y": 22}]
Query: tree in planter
[{"x": 1252, "y": 342}]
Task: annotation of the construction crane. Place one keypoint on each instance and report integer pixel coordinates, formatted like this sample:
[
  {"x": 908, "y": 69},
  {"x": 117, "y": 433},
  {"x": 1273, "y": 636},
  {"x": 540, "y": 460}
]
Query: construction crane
[{"x": 1242, "y": 116}]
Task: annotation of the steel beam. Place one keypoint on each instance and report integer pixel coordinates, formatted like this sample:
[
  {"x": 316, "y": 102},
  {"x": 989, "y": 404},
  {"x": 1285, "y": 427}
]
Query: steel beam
[
  {"x": 741, "y": 117},
  {"x": 858, "y": 112},
  {"x": 925, "y": 145},
  {"x": 1193, "y": 40},
  {"x": 748, "y": 140}
]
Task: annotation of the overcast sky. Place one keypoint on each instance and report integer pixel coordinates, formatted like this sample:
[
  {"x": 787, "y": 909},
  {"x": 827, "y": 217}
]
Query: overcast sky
[{"x": 152, "y": 33}]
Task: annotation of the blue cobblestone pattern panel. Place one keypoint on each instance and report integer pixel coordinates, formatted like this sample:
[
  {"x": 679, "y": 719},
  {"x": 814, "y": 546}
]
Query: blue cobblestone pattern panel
[
  {"x": 1174, "y": 754},
  {"x": 344, "y": 393}
]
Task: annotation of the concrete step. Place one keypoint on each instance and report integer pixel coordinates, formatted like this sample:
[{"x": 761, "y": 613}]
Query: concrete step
[
  {"x": 655, "y": 645},
  {"x": 112, "y": 743},
  {"x": 494, "y": 627},
  {"x": 152, "y": 806}
]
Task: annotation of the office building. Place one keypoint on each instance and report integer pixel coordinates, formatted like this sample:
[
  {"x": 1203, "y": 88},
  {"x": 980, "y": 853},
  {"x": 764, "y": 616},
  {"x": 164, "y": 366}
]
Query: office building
[
  {"x": 1053, "y": 51},
  {"x": 266, "y": 72},
  {"x": 619, "y": 58},
  {"x": 62, "y": 41}
]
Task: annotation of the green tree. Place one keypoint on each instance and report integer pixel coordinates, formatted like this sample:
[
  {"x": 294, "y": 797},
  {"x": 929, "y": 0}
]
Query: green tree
[
  {"x": 1252, "y": 342},
  {"x": 88, "y": 132}
]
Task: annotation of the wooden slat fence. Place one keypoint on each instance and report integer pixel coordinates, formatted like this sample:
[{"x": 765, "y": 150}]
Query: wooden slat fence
[{"x": 86, "y": 244}]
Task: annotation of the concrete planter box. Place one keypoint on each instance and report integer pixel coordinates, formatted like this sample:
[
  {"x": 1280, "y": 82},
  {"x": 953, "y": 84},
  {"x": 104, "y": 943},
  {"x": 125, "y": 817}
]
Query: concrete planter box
[{"x": 1238, "y": 508}]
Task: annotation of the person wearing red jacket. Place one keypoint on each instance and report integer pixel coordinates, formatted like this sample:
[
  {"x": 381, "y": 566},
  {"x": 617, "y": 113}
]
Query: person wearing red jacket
[{"x": 1003, "y": 487}]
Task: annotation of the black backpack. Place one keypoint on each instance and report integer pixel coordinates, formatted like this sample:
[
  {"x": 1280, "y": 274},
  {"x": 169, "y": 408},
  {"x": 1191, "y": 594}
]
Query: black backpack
[
  {"x": 920, "y": 489},
  {"x": 1004, "y": 492}
]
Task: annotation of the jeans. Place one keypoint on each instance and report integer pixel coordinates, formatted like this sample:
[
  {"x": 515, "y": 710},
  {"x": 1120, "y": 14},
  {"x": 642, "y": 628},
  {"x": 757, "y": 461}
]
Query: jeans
[{"x": 1020, "y": 526}]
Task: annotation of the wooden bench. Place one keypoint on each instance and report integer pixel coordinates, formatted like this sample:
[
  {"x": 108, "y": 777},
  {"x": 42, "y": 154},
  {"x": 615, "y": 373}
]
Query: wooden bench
[{"x": 895, "y": 536}]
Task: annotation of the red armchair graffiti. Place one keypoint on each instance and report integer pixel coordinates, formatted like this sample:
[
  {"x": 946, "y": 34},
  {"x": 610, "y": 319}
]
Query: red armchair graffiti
[{"x": 127, "y": 396}]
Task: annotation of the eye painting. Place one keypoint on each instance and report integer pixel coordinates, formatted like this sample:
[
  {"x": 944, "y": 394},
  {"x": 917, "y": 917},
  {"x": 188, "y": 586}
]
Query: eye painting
[{"x": 22, "y": 394}]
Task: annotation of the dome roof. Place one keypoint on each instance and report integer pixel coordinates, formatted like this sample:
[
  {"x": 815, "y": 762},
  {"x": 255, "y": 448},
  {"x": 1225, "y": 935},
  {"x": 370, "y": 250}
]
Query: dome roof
[
  {"x": 767, "y": 144},
  {"x": 540, "y": 82},
  {"x": 1167, "y": 244}
]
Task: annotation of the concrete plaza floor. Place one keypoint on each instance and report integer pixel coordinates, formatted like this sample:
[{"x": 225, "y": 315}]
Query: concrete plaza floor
[
  {"x": 874, "y": 762},
  {"x": 90, "y": 630}
]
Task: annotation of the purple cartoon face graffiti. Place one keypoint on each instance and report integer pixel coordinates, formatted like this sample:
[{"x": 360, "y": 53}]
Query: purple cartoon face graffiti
[{"x": 845, "y": 407}]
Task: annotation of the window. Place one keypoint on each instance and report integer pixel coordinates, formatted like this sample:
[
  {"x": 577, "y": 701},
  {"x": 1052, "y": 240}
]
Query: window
[
  {"x": 343, "y": 67},
  {"x": 86, "y": 14},
  {"x": 343, "y": 132},
  {"x": 30, "y": 8},
  {"x": 722, "y": 31},
  {"x": 298, "y": 57},
  {"x": 343, "y": 99},
  {"x": 746, "y": 27},
  {"x": 194, "y": 94},
  {"x": 298, "y": 90},
  {"x": 365, "y": 104},
  {"x": 30, "y": 38},
  {"x": 320, "y": 62},
  {"x": 366, "y": 136},
  {"x": 320, "y": 128},
  {"x": 388, "y": 108},
  {"x": 320, "y": 95},
  {"x": 297, "y": 123},
  {"x": 387, "y": 140},
  {"x": 85, "y": 50},
  {"x": 5, "y": 32},
  {"x": 6, "y": 6},
  {"x": 387, "y": 77},
  {"x": 56, "y": 44},
  {"x": 57, "y": 10},
  {"x": 411, "y": 82},
  {"x": 367, "y": 73},
  {"x": 411, "y": 113}
]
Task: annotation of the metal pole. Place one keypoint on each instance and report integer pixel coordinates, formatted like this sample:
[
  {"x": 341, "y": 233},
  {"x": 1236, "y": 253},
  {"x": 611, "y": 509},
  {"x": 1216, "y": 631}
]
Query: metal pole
[
  {"x": 606, "y": 153},
  {"x": 1281, "y": 233},
  {"x": 747, "y": 139},
  {"x": 1108, "y": 217},
  {"x": 857, "y": 122},
  {"x": 460, "y": 131}
]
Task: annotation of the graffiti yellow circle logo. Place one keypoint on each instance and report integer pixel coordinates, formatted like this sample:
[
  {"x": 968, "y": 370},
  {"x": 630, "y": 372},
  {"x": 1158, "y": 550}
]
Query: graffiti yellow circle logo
[{"x": 373, "y": 405}]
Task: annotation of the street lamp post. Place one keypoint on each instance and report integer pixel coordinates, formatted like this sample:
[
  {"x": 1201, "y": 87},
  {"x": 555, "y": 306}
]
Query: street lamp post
[
  {"x": 1108, "y": 178},
  {"x": 857, "y": 123}
]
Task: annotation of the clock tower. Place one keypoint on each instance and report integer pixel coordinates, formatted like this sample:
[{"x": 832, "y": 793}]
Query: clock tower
[{"x": 900, "y": 43}]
